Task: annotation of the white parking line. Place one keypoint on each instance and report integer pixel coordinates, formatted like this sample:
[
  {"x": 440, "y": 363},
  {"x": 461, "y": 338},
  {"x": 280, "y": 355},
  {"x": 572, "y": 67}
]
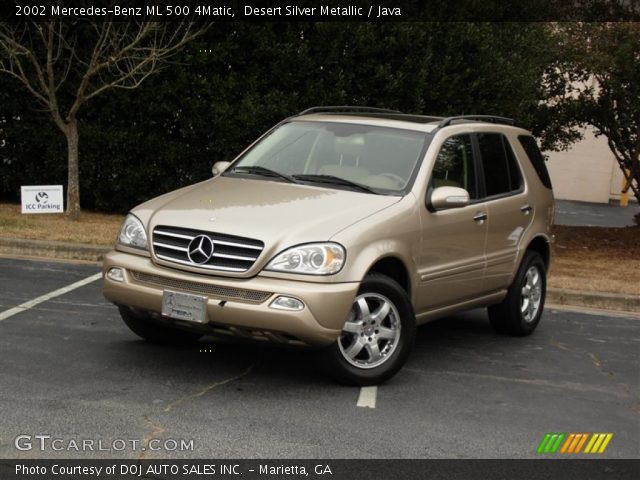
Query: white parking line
[
  {"x": 47, "y": 296},
  {"x": 367, "y": 397}
]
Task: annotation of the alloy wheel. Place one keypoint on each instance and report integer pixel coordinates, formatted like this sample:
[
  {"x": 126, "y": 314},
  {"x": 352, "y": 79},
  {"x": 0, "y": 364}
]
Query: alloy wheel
[
  {"x": 531, "y": 294},
  {"x": 371, "y": 333}
]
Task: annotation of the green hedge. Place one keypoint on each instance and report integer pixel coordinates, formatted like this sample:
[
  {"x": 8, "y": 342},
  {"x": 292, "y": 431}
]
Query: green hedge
[{"x": 137, "y": 144}]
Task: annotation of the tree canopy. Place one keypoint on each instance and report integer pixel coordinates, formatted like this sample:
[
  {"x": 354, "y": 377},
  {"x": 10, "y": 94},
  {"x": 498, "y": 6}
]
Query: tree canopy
[
  {"x": 601, "y": 75},
  {"x": 238, "y": 79},
  {"x": 63, "y": 65}
]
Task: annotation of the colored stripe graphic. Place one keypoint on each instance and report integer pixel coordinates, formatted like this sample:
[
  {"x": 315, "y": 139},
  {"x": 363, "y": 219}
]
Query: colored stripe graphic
[
  {"x": 581, "y": 443},
  {"x": 556, "y": 445},
  {"x": 605, "y": 443},
  {"x": 591, "y": 442},
  {"x": 572, "y": 443},
  {"x": 543, "y": 443},
  {"x": 598, "y": 442},
  {"x": 550, "y": 443},
  {"x": 567, "y": 443}
]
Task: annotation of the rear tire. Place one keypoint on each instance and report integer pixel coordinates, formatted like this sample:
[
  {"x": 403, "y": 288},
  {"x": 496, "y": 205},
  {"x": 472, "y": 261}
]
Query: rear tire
[
  {"x": 519, "y": 313},
  {"x": 377, "y": 336},
  {"x": 156, "y": 332}
]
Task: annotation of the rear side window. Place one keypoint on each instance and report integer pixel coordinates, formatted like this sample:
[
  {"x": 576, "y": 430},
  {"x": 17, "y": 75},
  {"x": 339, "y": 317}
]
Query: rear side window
[
  {"x": 535, "y": 156},
  {"x": 501, "y": 171}
]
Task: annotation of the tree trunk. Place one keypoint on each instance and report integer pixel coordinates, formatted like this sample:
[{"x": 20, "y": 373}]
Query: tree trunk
[{"x": 73, "y": 179}]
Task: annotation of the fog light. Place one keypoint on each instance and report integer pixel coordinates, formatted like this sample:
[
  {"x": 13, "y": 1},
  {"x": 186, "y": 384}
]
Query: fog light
[
  {"x": 287, "y": 303},
  {"x": 116, "y": 274}
]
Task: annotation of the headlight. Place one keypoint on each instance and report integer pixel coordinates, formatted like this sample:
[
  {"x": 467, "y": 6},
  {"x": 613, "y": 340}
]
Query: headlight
[
  {"x": 312, "y": 259},
  {"x": 132, "y": 233}
]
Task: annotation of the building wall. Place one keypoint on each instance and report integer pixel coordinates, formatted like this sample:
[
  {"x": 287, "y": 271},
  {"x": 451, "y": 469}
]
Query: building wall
[{"x": 587, "y": 172}]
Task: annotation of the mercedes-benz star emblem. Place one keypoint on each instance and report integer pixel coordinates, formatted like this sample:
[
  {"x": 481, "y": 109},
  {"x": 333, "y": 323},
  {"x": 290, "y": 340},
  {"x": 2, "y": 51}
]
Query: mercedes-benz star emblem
[
  {"x": 200, "y": 249},
  {"x": 171, "y": 300}
]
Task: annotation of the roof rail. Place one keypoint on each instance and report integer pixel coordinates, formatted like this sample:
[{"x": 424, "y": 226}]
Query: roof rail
[
  {"x": 479, "y": 118},
  {"x": 347, "y": 108},
  {"x": 405, "y": 117}
]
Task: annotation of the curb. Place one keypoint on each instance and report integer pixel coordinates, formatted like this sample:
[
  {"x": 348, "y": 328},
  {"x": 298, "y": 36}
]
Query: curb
[
  {"x": 95, "y": 253},
  {"x": 51, "y": 249},
  {"x": 602, "y": 301}
]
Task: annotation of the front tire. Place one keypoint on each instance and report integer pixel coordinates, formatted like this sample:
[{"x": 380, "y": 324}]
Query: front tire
[
  {"x": 156, "y": 332},
  {"x": 377, "y": 336},
  {"x": 519, "y": 313}
]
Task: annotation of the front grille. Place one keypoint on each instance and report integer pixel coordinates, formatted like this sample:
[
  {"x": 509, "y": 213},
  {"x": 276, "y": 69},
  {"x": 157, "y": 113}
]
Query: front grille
[
  {"x": 228, "y": 253},
  {"x": 219, "y": 291}
]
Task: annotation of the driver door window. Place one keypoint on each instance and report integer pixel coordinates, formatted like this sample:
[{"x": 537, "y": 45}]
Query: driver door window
[{"x": 454, "y": 165}]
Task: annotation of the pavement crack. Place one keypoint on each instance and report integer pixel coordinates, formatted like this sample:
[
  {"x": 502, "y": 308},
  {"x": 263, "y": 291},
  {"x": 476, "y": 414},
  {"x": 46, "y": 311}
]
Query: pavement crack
[
  {"x": 205, "y": 390},
  {"x": 595, "y": 360},
  {"x": 158, "y": 429},
  {"x": 597, "y": 363},
  {"x": 555, "y": 343}
]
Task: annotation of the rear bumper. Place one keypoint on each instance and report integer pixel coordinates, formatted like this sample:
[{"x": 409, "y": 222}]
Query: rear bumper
[{"x": 235, "y": 306}]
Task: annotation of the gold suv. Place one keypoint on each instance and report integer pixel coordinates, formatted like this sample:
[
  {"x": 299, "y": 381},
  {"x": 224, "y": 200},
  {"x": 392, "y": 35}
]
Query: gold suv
[{"x": 343, "y": 228}]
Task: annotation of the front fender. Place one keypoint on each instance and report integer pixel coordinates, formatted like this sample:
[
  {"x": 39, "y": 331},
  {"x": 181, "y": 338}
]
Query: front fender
[{"x": 396, "y": 231}]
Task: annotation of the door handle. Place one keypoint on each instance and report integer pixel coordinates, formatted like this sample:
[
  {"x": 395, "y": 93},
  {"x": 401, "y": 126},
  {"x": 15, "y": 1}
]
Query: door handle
[
  {"x": 480, "y": 217},
  {"x": 526, "y": 209}
]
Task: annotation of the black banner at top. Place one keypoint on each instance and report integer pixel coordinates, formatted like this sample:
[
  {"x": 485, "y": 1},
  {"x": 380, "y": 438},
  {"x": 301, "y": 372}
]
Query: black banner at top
[{"x": 323, "y": 10}]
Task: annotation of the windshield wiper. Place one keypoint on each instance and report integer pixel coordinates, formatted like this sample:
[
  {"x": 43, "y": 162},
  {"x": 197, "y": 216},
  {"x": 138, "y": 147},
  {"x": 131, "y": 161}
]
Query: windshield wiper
[
  {"x": 332, "y": 179},
  {"x": 265, "y": 172}
]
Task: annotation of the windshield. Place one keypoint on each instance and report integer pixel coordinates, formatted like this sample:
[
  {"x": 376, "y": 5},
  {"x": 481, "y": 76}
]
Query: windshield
[{"x": 381, "y": 160}]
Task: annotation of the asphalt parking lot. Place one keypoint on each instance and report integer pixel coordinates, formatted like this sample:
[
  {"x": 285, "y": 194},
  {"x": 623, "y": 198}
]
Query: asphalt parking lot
[
  {"x": 587, "y": 214},
  {"x": 69, "y": 368}
]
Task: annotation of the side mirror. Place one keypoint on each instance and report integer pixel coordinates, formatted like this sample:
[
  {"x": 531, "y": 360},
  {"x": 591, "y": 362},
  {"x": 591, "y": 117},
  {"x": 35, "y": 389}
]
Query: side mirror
[
  {"x": 219, "y": 167},
  {"x": 444, "y": 198}
]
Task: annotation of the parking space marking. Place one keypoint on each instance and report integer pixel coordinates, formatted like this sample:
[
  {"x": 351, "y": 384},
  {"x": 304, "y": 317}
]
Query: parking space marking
[
  {"x": 367, "y": 398},
  {"x": 48, "y": 296}
]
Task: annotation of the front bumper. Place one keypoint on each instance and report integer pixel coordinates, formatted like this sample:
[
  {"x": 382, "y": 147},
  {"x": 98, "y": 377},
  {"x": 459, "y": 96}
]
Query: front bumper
[{"x": 235, "y": 306}]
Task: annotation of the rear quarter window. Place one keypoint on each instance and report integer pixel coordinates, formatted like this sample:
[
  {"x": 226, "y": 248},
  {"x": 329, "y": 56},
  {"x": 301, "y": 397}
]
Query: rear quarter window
[{"x": 535, "y": 157}]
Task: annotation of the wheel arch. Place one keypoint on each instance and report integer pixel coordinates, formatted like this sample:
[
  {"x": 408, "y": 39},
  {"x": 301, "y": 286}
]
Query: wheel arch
[
  {"x": 541, "y": 245},
  {"x": 394, "y": 268}
]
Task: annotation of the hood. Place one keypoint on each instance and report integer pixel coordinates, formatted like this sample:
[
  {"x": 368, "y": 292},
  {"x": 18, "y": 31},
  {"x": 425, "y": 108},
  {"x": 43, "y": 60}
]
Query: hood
[{"x": 279, "y": 214}]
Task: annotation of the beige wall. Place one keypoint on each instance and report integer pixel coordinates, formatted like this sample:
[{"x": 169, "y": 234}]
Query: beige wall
[{"x": 587, "y": 172}]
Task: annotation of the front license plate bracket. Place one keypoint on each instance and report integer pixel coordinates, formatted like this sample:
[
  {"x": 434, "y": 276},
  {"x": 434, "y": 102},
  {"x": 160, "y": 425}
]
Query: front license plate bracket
[{"x": 184, "y": 306}]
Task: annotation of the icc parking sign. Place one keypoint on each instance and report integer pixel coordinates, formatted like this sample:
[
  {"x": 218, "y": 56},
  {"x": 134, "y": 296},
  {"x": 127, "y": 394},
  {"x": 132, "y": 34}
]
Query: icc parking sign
[{"x": 42, "y": 199}]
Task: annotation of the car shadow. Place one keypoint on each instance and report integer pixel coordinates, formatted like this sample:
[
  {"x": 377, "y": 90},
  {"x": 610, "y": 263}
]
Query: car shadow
[
  {"x": 270, "y": 363},
  {"x": 469, "y": 332}
]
